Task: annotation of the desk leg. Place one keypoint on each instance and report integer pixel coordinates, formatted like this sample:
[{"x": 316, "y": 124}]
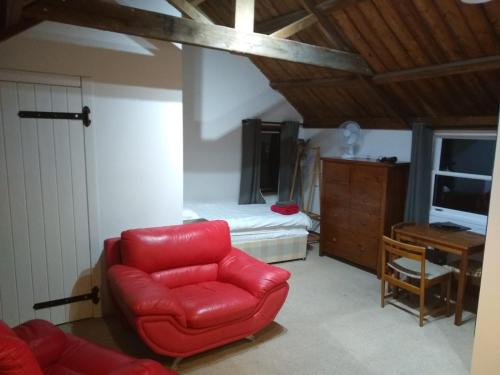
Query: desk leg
[{"x": 462, "y": 278}]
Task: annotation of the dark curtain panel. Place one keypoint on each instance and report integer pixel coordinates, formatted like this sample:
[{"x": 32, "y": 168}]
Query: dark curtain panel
[
  {"x": 419, "y": 183},
  {"x": 288, "y": 153},
  {"x": 250, "y": 163}
]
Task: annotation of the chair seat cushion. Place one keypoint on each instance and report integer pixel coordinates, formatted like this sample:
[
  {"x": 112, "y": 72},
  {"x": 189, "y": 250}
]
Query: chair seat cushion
[
  {"x": 411, "y": 268},
  {"x": 211, "y": 303}
]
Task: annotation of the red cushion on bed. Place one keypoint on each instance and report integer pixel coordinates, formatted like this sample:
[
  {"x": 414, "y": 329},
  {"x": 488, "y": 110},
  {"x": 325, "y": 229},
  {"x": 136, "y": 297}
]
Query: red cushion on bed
[{"x": 285, "y": 210}]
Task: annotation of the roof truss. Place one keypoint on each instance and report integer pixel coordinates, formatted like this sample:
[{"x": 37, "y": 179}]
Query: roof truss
[{"x": 113, "y": 17}]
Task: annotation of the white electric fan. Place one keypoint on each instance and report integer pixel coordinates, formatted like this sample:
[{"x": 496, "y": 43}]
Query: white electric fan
[{"x": 351, "y": 135}]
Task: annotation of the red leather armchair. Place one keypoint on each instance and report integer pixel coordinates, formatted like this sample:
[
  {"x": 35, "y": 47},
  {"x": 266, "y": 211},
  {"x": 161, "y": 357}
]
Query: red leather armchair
[
  {"x": 184, "y": 289},
  {"x": 37, "y": 347}
]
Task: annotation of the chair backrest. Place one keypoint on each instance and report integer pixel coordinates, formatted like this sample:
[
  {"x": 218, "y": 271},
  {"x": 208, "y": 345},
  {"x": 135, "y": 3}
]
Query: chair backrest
[
  {"x": 16, "y": 358},
  {"x": 174, "y": 255},
  {"x": 392, "y": 250}
]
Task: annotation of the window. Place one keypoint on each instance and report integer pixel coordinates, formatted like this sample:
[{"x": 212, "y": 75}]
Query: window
[
  {"x": 461, "y": 178},
  {"x": 270, "y": 161}
]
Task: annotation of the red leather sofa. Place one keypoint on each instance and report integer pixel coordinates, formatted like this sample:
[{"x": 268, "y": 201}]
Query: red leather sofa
[
  {"x": 184, "y": 289},
  {"x": 38, "y": 347}
]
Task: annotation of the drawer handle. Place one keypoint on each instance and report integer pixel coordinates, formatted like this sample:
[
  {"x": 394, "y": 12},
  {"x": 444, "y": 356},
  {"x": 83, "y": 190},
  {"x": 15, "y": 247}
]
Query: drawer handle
[{"x": 334, "y": 239}]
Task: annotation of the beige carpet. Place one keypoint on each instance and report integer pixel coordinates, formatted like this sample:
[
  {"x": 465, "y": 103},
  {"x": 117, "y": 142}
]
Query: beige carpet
[{"x": 331, "y": 323}]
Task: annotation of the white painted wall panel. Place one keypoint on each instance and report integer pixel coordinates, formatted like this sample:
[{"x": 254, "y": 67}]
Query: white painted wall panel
[
  {"x": 83, "y": 284},
  {"x": 34, "y": 204},
  {"x": 17, "y": 195},
  {"x": 49, "y": 196},
  {"x": 8, "y": 290},
  {"x": 64, "y": 190}
]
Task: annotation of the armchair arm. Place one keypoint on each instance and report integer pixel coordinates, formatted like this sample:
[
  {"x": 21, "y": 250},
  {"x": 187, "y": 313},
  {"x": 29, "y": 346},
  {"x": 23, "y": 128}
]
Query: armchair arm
[
  {"x": 46, "y": 341},
  {"x": 250, "y": 274},
  {"x": 137, "y": 293},
  {"x": 143, "y": 367}
]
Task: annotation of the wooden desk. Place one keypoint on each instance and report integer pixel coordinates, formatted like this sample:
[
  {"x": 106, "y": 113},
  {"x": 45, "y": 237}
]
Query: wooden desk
[{"x": 461, "y": 243}]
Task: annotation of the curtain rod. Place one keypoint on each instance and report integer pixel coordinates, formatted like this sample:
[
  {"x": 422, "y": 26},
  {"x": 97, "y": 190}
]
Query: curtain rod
[{"x": 276, "y": 123}]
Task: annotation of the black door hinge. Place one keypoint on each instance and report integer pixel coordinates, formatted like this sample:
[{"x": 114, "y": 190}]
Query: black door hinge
[
  {"x": 93, "y": 296},
  {"x": 84, "y": 116}
]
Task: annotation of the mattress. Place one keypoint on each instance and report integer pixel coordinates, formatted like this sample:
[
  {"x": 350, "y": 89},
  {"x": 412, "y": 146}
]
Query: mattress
[{"x": 250, "y": 222}]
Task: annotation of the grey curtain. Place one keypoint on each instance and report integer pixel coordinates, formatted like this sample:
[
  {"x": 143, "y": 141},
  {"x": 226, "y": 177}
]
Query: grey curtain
[
  {"x": 419, "y": 182},
  {"x": 288, "y": 153},
  {"x": 250, "y": 163}
]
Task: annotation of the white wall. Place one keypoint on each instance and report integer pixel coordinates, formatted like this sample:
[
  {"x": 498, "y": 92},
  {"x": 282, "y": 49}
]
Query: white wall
[
  {"x": 220, "y": 90},
  {"x": 136, "y": 114},
  {"x": 374, "y": 144},
  {"x": 485, "y": 358}
]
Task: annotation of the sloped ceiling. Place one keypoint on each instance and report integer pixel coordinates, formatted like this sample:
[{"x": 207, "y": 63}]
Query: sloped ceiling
[{"x": 391, "y": 35}]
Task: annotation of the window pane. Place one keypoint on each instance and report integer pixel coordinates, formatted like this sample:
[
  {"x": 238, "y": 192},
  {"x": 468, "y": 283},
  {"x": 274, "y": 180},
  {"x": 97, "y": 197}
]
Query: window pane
[
  {"x": 467, "y": 156},
  {"x": 462, "y": 194},
  {"x": 270, "y": 162}
]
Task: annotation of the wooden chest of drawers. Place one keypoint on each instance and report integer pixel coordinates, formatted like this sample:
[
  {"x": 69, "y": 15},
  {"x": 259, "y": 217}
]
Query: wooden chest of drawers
[{"x": 360, "y": 200}]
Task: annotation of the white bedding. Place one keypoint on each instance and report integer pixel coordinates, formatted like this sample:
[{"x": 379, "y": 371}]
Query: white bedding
[{"x": 250, "y": 221}]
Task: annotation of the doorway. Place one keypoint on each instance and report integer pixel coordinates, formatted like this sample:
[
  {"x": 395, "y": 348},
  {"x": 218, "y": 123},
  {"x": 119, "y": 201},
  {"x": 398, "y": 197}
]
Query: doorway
[{"x": 44, "y": 232}]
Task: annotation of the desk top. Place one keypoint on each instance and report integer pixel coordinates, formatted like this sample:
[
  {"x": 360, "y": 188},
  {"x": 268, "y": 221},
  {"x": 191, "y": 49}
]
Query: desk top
[{"x": 460, "y": 240}]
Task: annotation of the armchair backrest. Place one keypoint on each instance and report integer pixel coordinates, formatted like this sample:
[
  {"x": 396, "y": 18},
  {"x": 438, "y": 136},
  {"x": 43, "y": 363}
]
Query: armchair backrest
[{"x": 175, "y": 247}]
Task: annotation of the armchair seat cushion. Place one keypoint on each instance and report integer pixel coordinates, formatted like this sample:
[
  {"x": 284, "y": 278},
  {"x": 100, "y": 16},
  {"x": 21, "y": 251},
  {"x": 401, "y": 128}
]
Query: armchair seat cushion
[{"x": 208, "y": 304}]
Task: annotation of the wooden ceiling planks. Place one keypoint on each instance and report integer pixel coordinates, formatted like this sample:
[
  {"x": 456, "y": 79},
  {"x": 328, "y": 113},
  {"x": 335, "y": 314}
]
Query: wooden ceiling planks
[
  {"x": 391, "y": 35},
  {"x": 492, "y": 10}
]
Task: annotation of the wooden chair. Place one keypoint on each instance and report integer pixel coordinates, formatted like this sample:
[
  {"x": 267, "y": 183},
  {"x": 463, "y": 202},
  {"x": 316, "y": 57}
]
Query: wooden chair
[{"x": 401, "y": 259}]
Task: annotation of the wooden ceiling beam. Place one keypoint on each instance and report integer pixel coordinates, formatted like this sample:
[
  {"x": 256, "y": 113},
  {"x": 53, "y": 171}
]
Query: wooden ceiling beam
[
  {"x": 457, "y": 67},
  {"x": 10, "y": 13},
  {"x": 335, "y": 5},
  {"x": 191, "y": 10},
  {"x": 320, "y": 82},
  {"x": 22, "y": 25},
  {"x": 197, "y": 2},
  {"x": 11, "y": 20},
  {"x": 329, "y": 29},
  {"x": 439, "y": 122},
  {"x": 244, "y": 14},
  {"x": 365, "y": 122},
  {"x": 295, "y": 27},
  {"x": 113, "y": 17},
  {"x": 447, "y": 122},
  {"x": 272, "y": 25}
]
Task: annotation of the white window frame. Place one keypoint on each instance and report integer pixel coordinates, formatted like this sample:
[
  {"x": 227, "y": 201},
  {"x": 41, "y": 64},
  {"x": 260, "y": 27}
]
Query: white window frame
[{"x": 476, "y": 222}]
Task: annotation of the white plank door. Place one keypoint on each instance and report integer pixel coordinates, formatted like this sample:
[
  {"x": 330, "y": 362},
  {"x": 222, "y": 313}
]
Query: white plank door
[{"x": 44, "y": 230}]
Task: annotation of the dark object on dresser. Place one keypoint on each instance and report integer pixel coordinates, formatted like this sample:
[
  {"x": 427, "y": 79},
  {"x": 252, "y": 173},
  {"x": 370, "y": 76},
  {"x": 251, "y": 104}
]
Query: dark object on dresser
[
  {"x": 360, "y": 200},
  {"x": 388, "y": 159}
]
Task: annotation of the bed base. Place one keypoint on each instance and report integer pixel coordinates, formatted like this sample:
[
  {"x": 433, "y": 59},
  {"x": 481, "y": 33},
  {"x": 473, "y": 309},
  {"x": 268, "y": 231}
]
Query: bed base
[{"x": 276, "y": 249}]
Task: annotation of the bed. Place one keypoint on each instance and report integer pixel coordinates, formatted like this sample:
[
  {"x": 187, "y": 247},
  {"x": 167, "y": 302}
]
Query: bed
[{"x": 257, "y": 230}]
